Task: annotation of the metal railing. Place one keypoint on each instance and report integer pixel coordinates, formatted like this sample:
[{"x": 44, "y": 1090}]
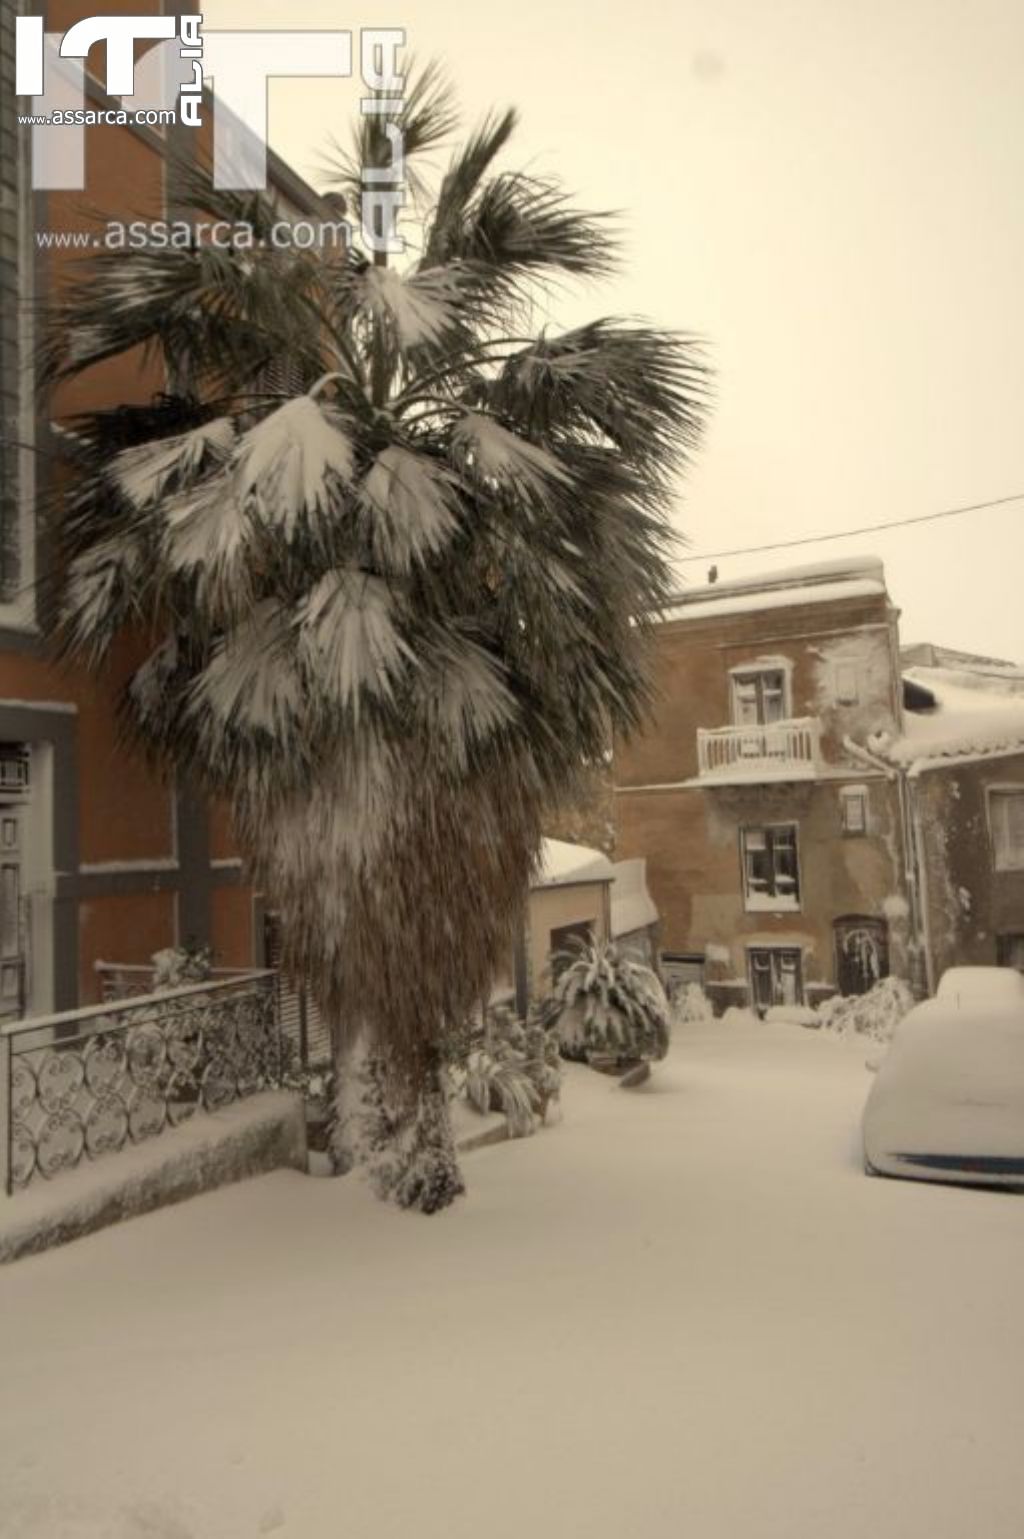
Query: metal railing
[
  {"x": 122, "y": 980},
  {"x": 775, "y": 750},
  {"x": 85, "y": 1083},
  {"x": 302, "y": 1026}
]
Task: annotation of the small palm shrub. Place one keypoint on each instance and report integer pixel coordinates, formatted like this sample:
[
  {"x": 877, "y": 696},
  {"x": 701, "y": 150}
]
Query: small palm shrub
[
  {"x": 515, "y": 1071},
  {"x": 607, "y": 1004}
]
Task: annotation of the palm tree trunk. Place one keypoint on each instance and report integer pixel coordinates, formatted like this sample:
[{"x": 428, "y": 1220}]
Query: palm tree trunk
[{"x": 403, "y": 1141}]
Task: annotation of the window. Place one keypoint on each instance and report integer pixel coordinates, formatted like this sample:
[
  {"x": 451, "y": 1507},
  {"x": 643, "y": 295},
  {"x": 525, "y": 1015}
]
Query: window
[
  {"x": 1006, "y": 818},
  {"x": 1010, "y": 951},
  {"x": 853, "y": 809},
  {"x": 776, "y": 976},
  {"x": 771, "y": 877},
  {"x": 759, "y": 697}
]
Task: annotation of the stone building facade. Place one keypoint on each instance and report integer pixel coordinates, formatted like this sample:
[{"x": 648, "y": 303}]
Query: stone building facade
[{"x": 774, "y": 839}]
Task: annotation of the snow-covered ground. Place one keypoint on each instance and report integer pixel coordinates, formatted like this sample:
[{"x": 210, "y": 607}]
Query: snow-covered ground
[{"x": 683, "y": 1311}]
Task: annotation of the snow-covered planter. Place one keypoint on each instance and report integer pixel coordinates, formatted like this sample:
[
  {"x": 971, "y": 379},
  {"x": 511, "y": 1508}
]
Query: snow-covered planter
[
  {"x": 875, "y": 1014},
  {"x": 609, "y": 1008}
]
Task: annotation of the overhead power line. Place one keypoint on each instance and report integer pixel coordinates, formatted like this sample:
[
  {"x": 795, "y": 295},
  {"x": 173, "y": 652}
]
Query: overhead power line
[{"x": 848, "y": 534}]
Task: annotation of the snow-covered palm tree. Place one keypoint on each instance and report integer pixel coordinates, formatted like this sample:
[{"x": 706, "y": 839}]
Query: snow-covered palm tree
[{"x": 395, "y": 606}]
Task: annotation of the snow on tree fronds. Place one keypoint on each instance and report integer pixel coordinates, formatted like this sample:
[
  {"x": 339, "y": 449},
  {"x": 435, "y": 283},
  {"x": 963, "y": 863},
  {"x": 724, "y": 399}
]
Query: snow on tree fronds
[
  {"x": 410, "y": 505},
  {"x": 252, "y": 679},
  {"x": 466, "y": 697},
  {"x": 145, "y": 472},
  {"x": 148, "y": 686},
  {"x": 350, "y": 639},
  {"x": 691, "y": 1004},
  {"x": 100, "y": 594},
  {"x": 875, "y": 1014},
  {"x": 420, "y": 307},
  {"x": 293, "y": 463},
  {"x": 506, "y": 460},
  {"x": 204, "y": 537},
  {"x": 605, "y": 1002}
]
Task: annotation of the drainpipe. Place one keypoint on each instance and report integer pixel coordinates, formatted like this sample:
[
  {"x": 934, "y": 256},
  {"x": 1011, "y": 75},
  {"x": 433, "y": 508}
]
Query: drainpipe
[
  {"x": 909, "y": 790},
  {"x": 915, "y": 870}
]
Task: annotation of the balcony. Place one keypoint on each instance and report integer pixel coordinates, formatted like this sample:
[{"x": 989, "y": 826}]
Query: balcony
[{"x": 781, "y": 750}]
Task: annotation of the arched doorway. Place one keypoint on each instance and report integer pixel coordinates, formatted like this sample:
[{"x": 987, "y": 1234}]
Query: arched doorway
[{"x": 862, "y": 952}]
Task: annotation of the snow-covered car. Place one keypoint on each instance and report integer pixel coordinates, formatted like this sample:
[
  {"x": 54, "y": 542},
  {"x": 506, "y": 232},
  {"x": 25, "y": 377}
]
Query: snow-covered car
[
  {"x": 980, "y": 985},
  {"x": 947, "y": 1102}
]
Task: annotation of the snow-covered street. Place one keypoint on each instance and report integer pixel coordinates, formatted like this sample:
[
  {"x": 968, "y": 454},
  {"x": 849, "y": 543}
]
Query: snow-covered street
[{"x": 683, "y": 1311}]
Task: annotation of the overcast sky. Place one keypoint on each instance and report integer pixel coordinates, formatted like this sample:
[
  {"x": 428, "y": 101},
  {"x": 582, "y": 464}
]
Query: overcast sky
[{"x": 832, "y": 193}]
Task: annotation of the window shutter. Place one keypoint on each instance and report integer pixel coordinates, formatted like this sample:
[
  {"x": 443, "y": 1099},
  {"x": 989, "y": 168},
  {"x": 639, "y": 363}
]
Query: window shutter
[{"x": 846, "y": 683}]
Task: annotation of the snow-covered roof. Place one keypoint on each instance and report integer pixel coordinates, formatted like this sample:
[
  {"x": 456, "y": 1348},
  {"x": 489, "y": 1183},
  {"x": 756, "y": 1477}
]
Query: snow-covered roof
[
  {"x": 925, "y": 654},
  {"x": 633, "y": 908},
  {"x": 820, "y": 583},
  {"x": 564, "y": 864},
  {"x": 977, "y": 715}
]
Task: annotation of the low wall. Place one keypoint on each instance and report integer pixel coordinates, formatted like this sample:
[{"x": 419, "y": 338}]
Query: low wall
[{"x": 263, "y": 1132}]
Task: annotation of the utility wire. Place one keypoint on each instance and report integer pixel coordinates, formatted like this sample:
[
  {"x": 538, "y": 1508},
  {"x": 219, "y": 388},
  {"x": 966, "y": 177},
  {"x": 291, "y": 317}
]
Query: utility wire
[{"x": 848, "y": 534}]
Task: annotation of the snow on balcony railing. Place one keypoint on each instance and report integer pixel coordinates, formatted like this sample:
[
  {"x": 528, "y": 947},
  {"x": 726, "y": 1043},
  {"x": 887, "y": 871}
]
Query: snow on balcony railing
[
  {"x": 779, "y": 751},
  {"x": 89, "y": 1082}
]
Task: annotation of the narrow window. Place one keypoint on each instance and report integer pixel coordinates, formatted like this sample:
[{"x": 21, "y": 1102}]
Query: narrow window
[
  {"x": 1006, "y": 817},
  {"x": 853, "y": 810}
]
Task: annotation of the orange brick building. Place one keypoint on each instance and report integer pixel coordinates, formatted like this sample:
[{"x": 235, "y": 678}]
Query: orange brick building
[{"x": 102, "y": 859}]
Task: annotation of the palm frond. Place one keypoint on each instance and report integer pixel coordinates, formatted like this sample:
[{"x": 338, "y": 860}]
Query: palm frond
[
  {"x": 426, "y": 119},
  {"x": 462, "y": 182}
]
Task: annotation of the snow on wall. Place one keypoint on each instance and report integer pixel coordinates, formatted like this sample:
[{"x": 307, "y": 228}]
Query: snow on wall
[{"x": 859, "y": 661}]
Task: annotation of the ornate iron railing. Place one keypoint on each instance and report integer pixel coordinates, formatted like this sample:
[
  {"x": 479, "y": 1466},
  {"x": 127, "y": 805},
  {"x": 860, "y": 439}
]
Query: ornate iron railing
[
  {"x": 86, "y": 1083},
  {"x": 780, "y": 750}
]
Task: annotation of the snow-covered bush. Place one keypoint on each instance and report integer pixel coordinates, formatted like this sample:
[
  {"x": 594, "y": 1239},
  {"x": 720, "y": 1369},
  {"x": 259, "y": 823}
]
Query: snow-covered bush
[
  {"x": 607, "y": 1004},
  {"x": 515, "y": 1071},
  {"x": 875, "y": 1014},
  {"x": 690, "y": 1003},
  {"x": 176, "y": 966}
]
